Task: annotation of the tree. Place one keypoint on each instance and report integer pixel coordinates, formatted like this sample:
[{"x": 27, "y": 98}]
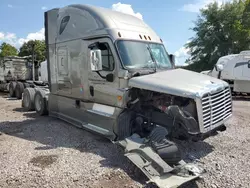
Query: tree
[
  {"x": 39, "y": 49},
  {"x": 7, "y": 50},
  {"x": 219, "y": 31}
]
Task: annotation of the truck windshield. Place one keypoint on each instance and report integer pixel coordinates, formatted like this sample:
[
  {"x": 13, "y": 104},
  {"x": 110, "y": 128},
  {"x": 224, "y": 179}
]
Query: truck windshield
[{"x": 135, "y": 54}]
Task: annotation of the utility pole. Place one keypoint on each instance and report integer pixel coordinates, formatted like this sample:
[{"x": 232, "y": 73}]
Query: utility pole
[{"x": 33, "y": 61}]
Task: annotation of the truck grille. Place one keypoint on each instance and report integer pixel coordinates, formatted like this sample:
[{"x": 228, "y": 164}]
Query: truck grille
[{"x": 216, "y": 107}]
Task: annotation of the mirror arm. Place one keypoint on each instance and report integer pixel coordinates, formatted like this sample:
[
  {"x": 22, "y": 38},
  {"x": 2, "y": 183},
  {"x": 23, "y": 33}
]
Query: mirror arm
[
  {"x": 104, "y": 77},
  {"x": 216, "y": 67}
]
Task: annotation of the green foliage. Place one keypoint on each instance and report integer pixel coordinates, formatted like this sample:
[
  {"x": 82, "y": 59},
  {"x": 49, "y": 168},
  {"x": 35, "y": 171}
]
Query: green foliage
[
  {"x": 39, "y": 49},
  {"x": 7, "y": 50},
  {"x": 219, "y": 31}
]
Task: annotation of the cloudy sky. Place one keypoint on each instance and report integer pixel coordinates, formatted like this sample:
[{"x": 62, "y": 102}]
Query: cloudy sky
[{"x": 171, "y": 19}]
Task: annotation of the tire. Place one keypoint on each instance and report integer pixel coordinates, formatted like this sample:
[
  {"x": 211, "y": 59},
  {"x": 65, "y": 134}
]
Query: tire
[
  {"x": 12, "y": 89},
  {"x": 19, "y": 90},
  {"x": 2, "y": 87},
  {"x": 28, "y": 99},
  {"x": 40, "y": 103},
  {"x": 125, "y": 124}
]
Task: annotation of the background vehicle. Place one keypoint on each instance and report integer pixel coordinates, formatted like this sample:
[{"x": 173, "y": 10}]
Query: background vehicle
[
  {"x": 113, "y": 76},
  {"x": 234, "y": 69},
  {"x": 43, "y": 72},
  {"x": 16, "y": 74}
]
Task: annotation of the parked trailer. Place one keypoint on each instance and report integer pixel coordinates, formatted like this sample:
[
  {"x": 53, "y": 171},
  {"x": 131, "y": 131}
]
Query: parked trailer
[
  {"x": 234, "y": 69},
  {"x": 16, "y": 74},
  {"x": 109, "y": 73}
]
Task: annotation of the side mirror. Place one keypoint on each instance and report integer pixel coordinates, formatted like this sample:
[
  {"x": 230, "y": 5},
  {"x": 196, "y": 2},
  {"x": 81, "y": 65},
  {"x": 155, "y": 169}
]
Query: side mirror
[
  {"x": 248, "y": 64},
  {"x": 110, "y": 77},
  {"x": 172, "y": 59},
  {"x": 219, "y": 67},
  {"x": 96, "y": 60}
]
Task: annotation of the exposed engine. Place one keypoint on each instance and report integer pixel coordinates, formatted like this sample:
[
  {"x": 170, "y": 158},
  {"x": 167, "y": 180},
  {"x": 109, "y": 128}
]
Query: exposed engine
[
  {"x": 159, "y": 118},
  {"x": 177, "y": 114}
]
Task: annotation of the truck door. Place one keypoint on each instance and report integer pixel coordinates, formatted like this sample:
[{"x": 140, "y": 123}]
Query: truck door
[{"x": 100, "y": 89}]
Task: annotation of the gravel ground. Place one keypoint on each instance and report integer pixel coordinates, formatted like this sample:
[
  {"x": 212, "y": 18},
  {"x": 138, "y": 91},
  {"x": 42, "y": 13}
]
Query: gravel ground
[{"x": 46, "y": 152}]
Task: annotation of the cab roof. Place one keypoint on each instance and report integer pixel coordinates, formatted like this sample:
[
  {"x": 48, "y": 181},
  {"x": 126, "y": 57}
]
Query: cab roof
[{"x": 102, "y": 21}]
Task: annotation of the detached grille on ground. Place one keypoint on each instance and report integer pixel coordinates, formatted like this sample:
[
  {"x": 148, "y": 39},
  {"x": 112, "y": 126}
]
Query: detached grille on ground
[{"x": 216, "y": 107}]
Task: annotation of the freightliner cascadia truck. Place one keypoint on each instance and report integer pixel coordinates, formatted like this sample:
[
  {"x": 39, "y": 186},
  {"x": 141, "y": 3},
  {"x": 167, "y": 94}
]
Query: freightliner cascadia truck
[{"x": 110, "y": 73}]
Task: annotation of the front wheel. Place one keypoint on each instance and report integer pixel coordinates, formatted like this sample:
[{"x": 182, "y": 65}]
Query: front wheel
[{"x": 125, "y": 124}]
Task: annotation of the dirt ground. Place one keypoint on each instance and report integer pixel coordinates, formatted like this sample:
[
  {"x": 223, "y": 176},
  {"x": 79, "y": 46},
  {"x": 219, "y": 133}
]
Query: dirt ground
[{"x": 47, "y": 152}]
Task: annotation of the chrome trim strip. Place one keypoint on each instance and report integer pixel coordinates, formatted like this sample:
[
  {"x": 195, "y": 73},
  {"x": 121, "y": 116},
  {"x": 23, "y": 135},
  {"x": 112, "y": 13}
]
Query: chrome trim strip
[
  {"x": 100, "y": 113},
  {"x": 96, "y": 128},
  {"x": 198, "y": 102}
]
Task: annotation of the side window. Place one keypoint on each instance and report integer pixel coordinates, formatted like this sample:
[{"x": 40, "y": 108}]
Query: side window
[
  {"x": 63, "y": 24},
  {"x": 107, "y": 57}
]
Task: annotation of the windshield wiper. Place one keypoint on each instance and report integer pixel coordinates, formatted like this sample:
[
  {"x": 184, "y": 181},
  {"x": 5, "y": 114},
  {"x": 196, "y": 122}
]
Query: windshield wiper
[{"x": 152, "y": 57}]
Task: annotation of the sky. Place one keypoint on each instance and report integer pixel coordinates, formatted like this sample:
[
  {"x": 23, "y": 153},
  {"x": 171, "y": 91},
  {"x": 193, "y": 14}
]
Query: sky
[{"x": 171, "y": 19}]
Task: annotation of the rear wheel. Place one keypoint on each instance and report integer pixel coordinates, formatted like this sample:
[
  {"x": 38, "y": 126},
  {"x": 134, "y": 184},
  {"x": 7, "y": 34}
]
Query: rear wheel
[
  {"x": 12, "y": 89},
  {"x": 19, "y": 90},
  {"x": 28, "y": 99},
  {"x": 40, "y": 103}
]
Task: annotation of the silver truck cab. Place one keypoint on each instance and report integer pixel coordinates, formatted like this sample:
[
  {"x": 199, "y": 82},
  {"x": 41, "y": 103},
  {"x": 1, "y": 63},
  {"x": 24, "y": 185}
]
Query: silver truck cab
[{"x": 110, "y": 73}]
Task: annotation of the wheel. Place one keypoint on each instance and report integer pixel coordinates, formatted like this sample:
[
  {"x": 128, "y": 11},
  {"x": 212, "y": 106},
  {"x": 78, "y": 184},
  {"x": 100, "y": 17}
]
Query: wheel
[
  {"x": 28, "y": 99},
  {"x": 2, "y": 87},
  {"x": 12, "y": 89},
  {"x": 40, "y": 103},
  {"x": 125, "y": 124},
  {"x": 19, "y": 90}
]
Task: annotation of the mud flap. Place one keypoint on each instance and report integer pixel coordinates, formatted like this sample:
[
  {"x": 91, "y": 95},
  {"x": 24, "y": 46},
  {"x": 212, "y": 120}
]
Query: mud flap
[{"x": 156, "y": 169}]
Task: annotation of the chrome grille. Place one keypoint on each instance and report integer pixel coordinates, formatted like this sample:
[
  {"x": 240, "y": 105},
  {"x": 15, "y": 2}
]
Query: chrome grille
[{"x": 216, "y": 107}]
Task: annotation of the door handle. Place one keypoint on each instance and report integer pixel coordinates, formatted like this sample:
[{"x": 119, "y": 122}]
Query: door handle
[
  {"x": 91, "y": 89},
  {"x": 62, "y": 61}
]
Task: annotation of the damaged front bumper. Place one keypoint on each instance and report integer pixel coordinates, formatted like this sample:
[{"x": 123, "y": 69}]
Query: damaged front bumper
[{"x": 155, "y": 168}]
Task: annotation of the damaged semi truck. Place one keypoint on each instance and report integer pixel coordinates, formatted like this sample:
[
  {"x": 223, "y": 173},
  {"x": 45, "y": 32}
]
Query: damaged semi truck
[{"x": 109, "y": 73}]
